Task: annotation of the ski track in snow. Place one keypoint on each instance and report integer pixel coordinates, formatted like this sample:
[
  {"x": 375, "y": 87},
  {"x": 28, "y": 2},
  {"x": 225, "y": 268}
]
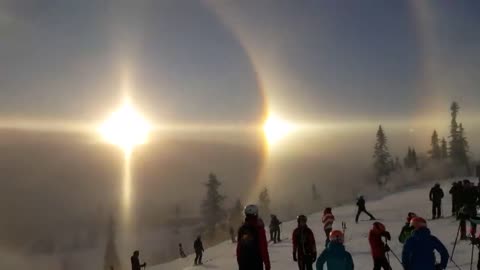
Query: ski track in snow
[{"x": 392, "y": 210}]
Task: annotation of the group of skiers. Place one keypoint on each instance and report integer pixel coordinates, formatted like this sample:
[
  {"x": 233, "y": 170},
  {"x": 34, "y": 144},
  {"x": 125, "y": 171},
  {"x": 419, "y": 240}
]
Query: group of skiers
[
  {"x": 465, "y": 199},
  {"x": 418, "y": 251}
]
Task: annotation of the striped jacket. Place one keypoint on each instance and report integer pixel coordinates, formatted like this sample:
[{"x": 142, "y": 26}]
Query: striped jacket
[{"x": 328, "y": 220}]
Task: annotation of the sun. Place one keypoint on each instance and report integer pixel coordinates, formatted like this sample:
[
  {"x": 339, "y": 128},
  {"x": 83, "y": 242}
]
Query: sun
[
  {"x": 276, "y": 129},
  {"x": 125, "y": 128}
]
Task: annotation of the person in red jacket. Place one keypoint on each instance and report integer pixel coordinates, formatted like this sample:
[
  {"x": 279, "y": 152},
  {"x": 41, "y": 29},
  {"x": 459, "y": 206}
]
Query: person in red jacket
[
  {"x": 327, "y": 221},
  {"x": 378, "y": 247},
  {"x": 252, "y": 245},
  {"x": 304, "y": 247}
]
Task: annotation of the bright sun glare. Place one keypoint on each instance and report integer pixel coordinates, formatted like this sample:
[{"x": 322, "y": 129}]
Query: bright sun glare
[
  {"x": 125, "y": 128},
  {"x": 276, "y": 129}
]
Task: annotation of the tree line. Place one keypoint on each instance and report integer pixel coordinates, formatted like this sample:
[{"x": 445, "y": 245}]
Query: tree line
[{"x": 455, "y": 150}]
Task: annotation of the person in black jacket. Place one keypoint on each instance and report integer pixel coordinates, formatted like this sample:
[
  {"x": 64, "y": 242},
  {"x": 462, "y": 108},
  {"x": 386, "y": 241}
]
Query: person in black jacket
[
  {"x": 136, "y": 262},
  {"x": 469, "y": 200},
  {"x": 455, "y": 192},
  {"x": 181, "y": 251},
  {"x": 198, "y": 246},
  {"x": 362, "y": 208},
  {"x": 275, "y": 229},
  {"x": 436, "y": 196}
]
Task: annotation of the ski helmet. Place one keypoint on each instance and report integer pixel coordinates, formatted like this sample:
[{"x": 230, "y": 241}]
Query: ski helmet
[
  {"x": 418, "y": 222},
  {"x": 251, "y": 210},
  {"x": 302, "y": 218},
  {"x": 327, "y": 210},
  {"x": 336, "y": 236}
]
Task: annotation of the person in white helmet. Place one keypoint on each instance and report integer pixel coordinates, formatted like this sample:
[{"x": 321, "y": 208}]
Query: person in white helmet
[{"x": 252, "y": 245}]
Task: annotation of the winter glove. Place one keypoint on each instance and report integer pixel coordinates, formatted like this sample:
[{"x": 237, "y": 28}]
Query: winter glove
[
  {"x": 388, "y": 236},
  {"x": 387, "y": 248},
  {"x": 314, "y": 257},
  {"x": 295, "y": 257}
]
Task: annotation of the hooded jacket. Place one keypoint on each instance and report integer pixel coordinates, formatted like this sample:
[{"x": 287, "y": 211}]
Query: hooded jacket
[
  {"x": 336, "y": 258},
  {"x": 377, "y": 246},
  {"x": 418, "y": 251}
]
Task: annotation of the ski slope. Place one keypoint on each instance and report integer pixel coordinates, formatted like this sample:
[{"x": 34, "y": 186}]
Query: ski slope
[{"x": 391, "y": 210}]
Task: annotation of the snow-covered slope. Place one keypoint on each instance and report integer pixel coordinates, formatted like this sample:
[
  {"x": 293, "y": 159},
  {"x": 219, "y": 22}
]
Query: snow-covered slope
[{"x": 391, "y": 210}]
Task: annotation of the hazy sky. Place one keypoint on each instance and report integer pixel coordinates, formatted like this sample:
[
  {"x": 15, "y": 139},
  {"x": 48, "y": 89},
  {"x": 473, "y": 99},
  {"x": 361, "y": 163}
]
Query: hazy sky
[{"x": 208, "y": 60}]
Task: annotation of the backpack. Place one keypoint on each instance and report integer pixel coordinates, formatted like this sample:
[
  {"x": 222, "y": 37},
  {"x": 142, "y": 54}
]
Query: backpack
[{"x": 248, "y": 243}]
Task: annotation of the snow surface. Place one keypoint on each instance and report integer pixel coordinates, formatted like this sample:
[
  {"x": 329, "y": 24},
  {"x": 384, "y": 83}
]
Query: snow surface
[{"x": 391, "y": 210}]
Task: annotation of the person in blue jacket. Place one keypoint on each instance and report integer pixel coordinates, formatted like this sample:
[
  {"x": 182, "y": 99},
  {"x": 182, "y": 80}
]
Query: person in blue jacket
[
  {"x": 335, "y": 255},
  {"x": 418, "y": 251}
]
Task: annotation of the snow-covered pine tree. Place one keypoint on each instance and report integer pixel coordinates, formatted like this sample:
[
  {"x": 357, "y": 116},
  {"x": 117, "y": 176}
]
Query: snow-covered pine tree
[
  {"x": 212, "y": 207},
  {"x": 382, "y": 158}
]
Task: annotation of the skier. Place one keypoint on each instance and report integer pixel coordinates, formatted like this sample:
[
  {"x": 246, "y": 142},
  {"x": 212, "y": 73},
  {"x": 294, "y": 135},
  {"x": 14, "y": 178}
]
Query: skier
[
  {"x": 418, "y": 251},
  {"x": 274, "y": 229},
  {"x": 252, "y": 246},
  {"x": 469, "y": 199},
  {"x": 198, "y": 247},
  {"x": 136, "y": 262},
  {"x": 327, "y": 220},
  {"x": 378, "y": 247},
  {"x": 406, "y": 229},
  {"x": 362, "y": 208},
  {"x": 304, "y": 247},
  {"x": 335, "y": 255},
  {"x": 459, "y": 203},
  {"x": 454, "y": 192},
  {"x": 436, "y": 196},
  {"x": 180, "y": 249}
]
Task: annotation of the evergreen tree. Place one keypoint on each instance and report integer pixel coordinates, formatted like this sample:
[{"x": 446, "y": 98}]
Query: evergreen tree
[
  {"x": 264, "y": 203},
  {"x": 435, "y": 152},
  {"x": 414, "y": 161},
  {"x": 454, "y": 108},
  {"x": 381, "y": 156},
  {"x": 236, "y": 214},
  {"x": 212, "y": 206},
  {"x": 463, "y": 148},
  {"x": 408, "y": 158},
  {"x": 111, "y": 255},
  {"x": 444, "y": 149},
  {"x": 398, "y": 164},
  {"x": 458, "y": 141}
]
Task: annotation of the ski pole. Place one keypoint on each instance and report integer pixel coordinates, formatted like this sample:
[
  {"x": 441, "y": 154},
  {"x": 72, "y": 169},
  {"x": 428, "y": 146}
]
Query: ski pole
[
  {"x": 455, "y": 244},
  {"x": 396, "y": 257},
  {"x": 456, "y": 265},
  {"x": 387, "y": 247}
]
